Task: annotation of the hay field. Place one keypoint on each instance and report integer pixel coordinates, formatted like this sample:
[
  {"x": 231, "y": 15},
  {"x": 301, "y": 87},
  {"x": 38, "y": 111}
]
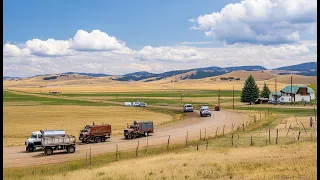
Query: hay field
[
  {"x": 294, "y": 161},
  {"x": 20, "y": 121}
]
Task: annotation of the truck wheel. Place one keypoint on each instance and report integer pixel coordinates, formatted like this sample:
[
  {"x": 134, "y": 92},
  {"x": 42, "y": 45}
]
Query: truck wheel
[
  {"x": 83, "y": 141},
  {"x": 126, "y": 137},
  {"x": 30, "y": 148},
  {"x": 98, "y": 139},
  {"x": 71, "y": 149},
  {"x": 104, "y": 139},
  {"x": 48, "y": 151}
]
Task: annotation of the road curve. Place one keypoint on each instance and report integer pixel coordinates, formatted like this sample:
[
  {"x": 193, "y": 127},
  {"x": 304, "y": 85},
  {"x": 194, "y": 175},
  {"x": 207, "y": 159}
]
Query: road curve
[{"x": 193, "y": 123}]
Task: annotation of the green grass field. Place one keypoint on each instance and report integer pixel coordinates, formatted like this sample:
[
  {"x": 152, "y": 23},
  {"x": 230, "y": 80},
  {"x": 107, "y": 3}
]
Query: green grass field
[
  {"x": 9, "y": 97},
  {"x": 202, "y": 93}
]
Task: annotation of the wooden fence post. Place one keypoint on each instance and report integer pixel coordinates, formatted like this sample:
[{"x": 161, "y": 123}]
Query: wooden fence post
[
  {"x": 251, "y": 141},
  {"x": 288, "y": 129},
  {"x": 232, "y": 140},
  {"x": 298, "y": 136},
  {"x": 243, "y": 127},
  {"x": 200, "y": 135},
  {"x": 207, "y": 145},
  {"x": 260, "y": 115},
  {"x": 168, "y": 143},
  {"x": 269, "y": 137},
  {"x": 254, "y": 118},
  {"x": 303, "y": 127},
  {"x": 295, "y": 118},
  {"x": 311, "y": 121},
  {"x": 223, "y": 131},
  {"x": 187, "y": 139},
  {"x": 277, "y": 137},
  {"x": 137, "y": 149},
  {"x": 217, "y": 132}
]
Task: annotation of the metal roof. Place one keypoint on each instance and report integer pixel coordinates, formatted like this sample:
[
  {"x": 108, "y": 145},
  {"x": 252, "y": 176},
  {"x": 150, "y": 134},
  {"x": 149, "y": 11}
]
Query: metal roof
[{"x": 295, "y": 89}]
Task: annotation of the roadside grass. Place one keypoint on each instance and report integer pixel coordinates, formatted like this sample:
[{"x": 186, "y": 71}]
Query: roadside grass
[
  {"x": 280, "y": 110},
  {"x": 220, "y": 160}
]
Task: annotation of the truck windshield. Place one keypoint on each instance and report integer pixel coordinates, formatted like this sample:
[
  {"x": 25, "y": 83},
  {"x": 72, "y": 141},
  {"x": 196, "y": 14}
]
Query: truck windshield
[{"x": 33, "y": 135}]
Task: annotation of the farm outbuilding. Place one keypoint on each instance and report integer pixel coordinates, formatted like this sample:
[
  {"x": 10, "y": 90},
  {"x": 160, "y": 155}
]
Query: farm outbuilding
[{"x": 262, "y": 101}]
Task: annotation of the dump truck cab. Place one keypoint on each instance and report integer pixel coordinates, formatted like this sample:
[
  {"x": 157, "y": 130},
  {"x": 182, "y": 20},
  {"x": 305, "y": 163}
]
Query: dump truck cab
[{"x": 34, "y": 141}]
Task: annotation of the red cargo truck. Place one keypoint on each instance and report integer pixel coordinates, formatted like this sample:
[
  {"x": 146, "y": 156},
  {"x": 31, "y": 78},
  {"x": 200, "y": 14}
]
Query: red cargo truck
[{"x": 95, "y": 133}]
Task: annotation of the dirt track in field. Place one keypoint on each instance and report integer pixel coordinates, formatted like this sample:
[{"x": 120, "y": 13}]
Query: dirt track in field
[{"x": 17, "y": 156}]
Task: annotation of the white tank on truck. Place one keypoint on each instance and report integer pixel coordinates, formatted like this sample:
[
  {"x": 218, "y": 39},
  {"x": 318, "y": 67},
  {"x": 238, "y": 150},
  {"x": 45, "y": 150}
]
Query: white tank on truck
[{"x": 52, "y": 133}]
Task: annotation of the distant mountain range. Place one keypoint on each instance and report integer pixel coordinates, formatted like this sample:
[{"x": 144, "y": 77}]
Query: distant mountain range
[{"x": 306, "y": 69}]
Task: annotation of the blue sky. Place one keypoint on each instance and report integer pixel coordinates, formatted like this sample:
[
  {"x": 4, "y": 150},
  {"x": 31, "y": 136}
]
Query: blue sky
[
  {"x": 139, "y": 23},
  {"x": 118, "y": 37}
]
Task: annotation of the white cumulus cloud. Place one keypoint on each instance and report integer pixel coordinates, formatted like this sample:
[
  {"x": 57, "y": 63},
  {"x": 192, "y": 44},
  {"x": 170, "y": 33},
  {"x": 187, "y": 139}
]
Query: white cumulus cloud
[
  {"x": 95, "y": 41},
  {"x": 50, "y": 47},
  {"x": 10, "y": 50},
  {"x": 259, "y": 21}
]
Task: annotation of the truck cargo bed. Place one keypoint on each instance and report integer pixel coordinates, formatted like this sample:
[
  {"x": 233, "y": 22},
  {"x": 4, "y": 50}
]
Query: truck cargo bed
[{"x": 55, "y": 141}]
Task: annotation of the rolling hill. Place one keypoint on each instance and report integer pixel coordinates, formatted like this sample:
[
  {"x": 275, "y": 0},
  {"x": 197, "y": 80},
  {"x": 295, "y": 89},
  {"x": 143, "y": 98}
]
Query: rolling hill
[{"x": 306, "y": 69}]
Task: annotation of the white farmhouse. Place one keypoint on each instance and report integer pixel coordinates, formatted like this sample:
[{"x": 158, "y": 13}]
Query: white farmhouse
[{"x": 296, "y": 93}]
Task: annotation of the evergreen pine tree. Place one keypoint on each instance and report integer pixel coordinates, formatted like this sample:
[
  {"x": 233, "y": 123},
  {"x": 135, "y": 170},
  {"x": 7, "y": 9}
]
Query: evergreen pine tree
[
  {"x": 250, "y": 91},
  {"x": 265, "y": 91}
]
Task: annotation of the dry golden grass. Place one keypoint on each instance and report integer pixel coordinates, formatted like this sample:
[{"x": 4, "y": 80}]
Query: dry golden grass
[
  {"x": 294, "y": 161},
  {"x": 20, "y": 121},
  {"x": 296, "y": 79},
  {"x": 243, "y": 75}
]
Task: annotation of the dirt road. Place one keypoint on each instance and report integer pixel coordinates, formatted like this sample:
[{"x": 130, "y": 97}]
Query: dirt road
[{"x": 193, "y": 123}]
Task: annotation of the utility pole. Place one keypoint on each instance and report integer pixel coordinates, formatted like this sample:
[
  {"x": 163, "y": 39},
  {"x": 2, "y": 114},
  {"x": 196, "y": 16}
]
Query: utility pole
[{"x": 233, "y": 97}]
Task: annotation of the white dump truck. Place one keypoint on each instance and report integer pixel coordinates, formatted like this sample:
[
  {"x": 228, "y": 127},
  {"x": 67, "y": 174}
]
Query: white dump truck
[{"x": 53, "y": 140}]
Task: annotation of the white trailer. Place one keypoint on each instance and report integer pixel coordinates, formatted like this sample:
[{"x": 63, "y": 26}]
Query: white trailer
[{"x": 55, "y": 140}]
